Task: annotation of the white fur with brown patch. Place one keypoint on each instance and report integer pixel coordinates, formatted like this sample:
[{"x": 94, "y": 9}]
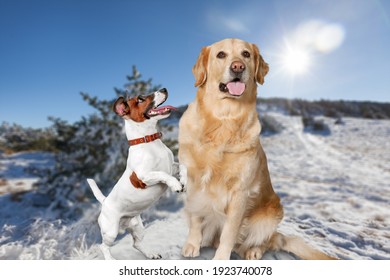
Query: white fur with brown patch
[{"x": 150, "y": 170}]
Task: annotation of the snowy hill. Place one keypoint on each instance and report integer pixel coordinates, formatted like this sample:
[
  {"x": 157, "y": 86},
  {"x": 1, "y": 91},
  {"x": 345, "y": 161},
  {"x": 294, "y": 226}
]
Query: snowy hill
[{"x": 335, "y": 189}]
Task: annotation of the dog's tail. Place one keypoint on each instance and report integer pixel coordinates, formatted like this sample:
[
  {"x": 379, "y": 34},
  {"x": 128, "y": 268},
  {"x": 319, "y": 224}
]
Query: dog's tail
[
  {"x": 96, "y": 191},
  {"x": 297, "y": 246}
]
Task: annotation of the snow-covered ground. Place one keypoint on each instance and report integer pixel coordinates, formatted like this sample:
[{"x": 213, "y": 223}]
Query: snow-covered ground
[
  {"x": 14, "y": 175},
  {"x": 335, "y": 190}
]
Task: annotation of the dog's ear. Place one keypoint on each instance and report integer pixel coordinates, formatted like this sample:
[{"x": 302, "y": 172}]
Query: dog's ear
[
  {"x": 120, "y": 107},
  {"x": 261, "y": 66},
  {"x": 200, "y": 68}
]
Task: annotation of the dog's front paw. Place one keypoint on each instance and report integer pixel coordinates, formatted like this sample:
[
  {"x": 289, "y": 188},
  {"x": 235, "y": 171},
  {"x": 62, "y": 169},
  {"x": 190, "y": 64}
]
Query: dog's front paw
[
  {"x": 176, "y": 186},
  {"x": 222, "y": 253},
  {"x": 154, "y": 256},
  {"x": 183, "y": 175},
  {"x": 221, "y": 256},
  {"x": 190, "y": 251}
]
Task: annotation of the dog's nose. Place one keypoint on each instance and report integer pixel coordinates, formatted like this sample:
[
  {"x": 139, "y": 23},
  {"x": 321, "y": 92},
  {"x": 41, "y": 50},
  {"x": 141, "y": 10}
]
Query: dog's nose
[
  {"x": 163, "y": 90},
  {"x": 237, "y": 67}
]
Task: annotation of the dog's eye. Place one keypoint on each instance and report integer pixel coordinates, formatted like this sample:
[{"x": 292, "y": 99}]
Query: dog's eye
[
  {"x": 140, "y": 99},
  {"x": 246, "y": 54},
  {"x": 221, "y": 55}
]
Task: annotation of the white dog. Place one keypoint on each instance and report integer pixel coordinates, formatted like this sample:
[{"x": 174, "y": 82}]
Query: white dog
[{"x": 149, "y": 171}]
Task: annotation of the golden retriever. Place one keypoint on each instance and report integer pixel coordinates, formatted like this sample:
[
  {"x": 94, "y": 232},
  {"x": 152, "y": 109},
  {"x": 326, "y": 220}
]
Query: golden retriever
[{"x": 230, "y": 200}]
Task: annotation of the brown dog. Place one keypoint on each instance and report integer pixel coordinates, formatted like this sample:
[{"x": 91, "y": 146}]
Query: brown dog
[{"x": 230, "y": 200}]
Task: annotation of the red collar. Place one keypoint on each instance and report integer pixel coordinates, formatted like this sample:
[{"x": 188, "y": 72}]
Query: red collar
[{"x": 146, "y": 139}]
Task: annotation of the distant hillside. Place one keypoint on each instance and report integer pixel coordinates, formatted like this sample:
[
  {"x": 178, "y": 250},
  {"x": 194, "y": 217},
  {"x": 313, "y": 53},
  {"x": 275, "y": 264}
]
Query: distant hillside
[
  {"x": 327, "y": 108},
  {"x": 15, "y": 138},
  {"x": 336, "y": 109}
]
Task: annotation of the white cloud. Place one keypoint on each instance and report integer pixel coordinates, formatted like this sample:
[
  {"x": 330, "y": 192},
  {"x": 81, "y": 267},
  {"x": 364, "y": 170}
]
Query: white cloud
[
  {"x": 234, "y": 25},
  {"x": 227, "y": 23}
]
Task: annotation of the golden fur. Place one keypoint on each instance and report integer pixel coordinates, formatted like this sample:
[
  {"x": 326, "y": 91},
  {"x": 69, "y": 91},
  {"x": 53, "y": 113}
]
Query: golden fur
[{"x": 230, "y": 200}]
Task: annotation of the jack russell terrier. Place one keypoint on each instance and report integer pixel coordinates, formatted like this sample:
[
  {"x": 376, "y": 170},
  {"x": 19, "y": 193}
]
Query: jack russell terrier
[{"x": 149, "y": 172}]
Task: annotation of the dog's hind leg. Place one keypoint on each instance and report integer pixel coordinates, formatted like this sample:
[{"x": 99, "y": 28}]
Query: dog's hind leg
[
  {"x": 253, "y": 253},
  {"x": 137, "y": 229},
  {"x": 109, "y": 230},
  {"x": 106, "y": 251}
]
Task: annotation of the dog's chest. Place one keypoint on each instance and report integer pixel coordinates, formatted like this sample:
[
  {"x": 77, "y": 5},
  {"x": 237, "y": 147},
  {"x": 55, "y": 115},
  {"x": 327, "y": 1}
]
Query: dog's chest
[
  {"x": 153, "y": 157},
  {"x": 216, "y": 166},
  {"x": 216, "y": 177},
  {"x": 162, "y": 160},
  {"x": 205, "y": 203}
]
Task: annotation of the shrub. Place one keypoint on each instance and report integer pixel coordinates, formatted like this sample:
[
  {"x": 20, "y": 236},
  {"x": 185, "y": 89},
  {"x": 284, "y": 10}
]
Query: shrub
[
  {"x": 316, "y": 126},
  {"x": 269, "y": 125}
]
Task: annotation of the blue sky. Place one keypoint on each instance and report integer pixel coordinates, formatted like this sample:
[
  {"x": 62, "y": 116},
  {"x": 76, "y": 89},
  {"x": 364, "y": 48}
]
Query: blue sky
[{"x": 50, "y": 51}]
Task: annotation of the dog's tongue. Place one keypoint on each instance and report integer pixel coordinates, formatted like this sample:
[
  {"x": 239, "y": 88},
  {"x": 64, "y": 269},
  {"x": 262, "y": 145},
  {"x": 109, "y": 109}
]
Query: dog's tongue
[
  {"x": 167, "y": 107},
  {"x": 236, "y": 88},
  {"x": 163, "y": 109}
]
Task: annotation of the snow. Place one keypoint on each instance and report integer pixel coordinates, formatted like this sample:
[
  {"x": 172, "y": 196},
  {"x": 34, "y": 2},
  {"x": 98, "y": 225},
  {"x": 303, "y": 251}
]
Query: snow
[
  {"x": 14, "y": 175},
  {"x": 335, "y": 190}
]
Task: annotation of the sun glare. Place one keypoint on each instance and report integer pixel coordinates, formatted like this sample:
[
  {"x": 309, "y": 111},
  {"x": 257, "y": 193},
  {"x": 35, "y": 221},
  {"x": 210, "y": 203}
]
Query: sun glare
[{"x": 296, "y": 61}]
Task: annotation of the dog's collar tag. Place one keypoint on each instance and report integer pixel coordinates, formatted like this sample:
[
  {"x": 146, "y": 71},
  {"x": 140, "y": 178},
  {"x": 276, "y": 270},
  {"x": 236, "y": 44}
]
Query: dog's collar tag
[{"x": 146, "y": 139}]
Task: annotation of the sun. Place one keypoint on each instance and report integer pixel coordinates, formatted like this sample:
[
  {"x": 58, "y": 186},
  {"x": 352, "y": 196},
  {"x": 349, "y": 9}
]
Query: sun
[{"x": 296, "y": 61}]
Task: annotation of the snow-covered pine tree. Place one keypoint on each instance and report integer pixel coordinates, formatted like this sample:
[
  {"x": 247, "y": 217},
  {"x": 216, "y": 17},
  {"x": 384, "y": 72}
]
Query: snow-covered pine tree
[
  {"x": 94, "y": 147},
  {"x": 15, "y": 138}
]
